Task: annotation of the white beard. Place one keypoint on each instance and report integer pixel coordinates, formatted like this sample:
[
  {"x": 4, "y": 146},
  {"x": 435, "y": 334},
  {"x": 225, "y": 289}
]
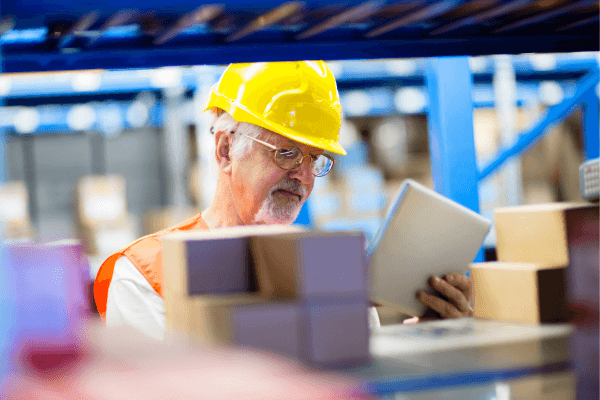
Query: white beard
[{"x": 273, "y": 212}]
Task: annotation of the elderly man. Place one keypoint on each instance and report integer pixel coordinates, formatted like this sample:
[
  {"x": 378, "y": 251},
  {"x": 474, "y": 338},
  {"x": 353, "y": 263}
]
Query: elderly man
[{"x": 274, "y": 125}]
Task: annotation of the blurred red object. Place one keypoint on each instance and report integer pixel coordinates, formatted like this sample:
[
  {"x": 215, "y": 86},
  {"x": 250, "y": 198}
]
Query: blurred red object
[
  {"x": 48, "y": 296},
  {"x": 124, "y": 365}
]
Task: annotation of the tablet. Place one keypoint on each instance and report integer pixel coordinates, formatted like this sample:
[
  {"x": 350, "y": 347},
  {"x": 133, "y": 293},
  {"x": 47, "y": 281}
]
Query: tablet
[{"x": 423, "y": 234}]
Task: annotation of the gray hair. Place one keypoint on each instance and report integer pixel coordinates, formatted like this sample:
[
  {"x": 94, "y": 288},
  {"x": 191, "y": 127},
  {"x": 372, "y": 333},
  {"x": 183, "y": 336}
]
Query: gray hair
[{"x": 241, "y": 144}]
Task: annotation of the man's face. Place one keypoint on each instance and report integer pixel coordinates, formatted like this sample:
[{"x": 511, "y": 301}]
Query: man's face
[{"x": 263, "y": 193}]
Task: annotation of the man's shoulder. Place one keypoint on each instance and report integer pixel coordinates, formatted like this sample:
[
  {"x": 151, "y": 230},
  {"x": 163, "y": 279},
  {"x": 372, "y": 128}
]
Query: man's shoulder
[{"x": 150, "y": 246}]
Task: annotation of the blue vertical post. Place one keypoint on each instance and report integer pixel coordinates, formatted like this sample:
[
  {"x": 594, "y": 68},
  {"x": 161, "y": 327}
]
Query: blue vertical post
[
  {"x": 450, "y": 124},
  {"x": 591, "y": 125}
]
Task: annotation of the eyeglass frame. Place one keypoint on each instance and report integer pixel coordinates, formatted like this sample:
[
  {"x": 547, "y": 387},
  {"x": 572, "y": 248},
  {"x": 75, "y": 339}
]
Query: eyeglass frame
[{"x": 275, "y": 148}]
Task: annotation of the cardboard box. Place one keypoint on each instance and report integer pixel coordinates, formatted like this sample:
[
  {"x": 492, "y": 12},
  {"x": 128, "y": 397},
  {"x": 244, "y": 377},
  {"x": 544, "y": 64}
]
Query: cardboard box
[
  {"x": 215, "y": 261},
  {"x": 519, "y": 292},
  {"x": 331, "y": 334},
  {"x": 543, "y": 233},
  {"x": 101, "y": 199},
  {"x": 558, "y": 385},
  {"x": 239, "y": 320},
  {"x": 538, "y": 192},
  {"x": 14, "y": 203},
  {"x": 202, "y": 317},
  {"x": 159, "y": 219},
  {"x": 313, "y": 265},
  {"x": 336, "y": 334},
  {"x": 210, "y": 266},
  {"x": 195, "y": 184},
  {"x": 272, "y": 326},
  {"x": 105, "y": 238}
]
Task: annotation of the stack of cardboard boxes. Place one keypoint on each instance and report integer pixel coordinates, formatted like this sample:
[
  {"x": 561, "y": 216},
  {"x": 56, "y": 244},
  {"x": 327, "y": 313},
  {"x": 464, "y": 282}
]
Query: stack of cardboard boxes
[
  {"x": 101, "y": 207},
  {"x": 546, "y": 255},
  {"x": 297, "y": 293},
  {"x": 14, "y": 211},
  {"x": 548, "y": 271}
]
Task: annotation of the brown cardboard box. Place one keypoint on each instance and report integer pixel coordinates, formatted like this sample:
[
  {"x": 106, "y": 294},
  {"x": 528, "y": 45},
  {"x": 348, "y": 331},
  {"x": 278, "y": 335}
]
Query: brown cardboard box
[
  {"x": 519, "y": 292},
  {"x": 329, "y": 334},
  {"x": 101, "y": 199},
  {"x": 204, "y": 317},
  {"x": 194, "y": 183},
  {"x": 485, "y": 129},
  {"x": 22, "y": 230},
  {"x": 538, "y": 192},
  {"x": 14, "y": 211},
  {"x": 14, "y": 202},
  {"x": 311, "y": 265},
  {"x": 558, "y": 385},
  {"x": 335, "y": 334},
  {"x": 157, "y": 220},
  {"x": 540, "y": 233},
  {"x": 105, "y": 238},
  {"x": 215, "y": 261}
]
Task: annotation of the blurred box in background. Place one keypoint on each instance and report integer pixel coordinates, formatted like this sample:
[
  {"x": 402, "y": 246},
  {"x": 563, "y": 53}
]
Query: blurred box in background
[
  {"x": 195, "y": 183},
  {"x": 159, "y": 219},
  {"x": 105, "y": 238},
  {"x": 104, "y": 225},
  {"x": 14, "y": 211},
  {"x": 100, "y": 199}
]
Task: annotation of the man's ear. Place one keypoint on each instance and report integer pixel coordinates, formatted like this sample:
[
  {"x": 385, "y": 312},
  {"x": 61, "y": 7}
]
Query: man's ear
[{"x": 222, "y": 149}]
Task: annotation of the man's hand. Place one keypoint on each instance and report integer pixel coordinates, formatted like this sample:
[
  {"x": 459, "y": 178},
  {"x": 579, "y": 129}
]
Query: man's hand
[{"x": 452, "y": 298}]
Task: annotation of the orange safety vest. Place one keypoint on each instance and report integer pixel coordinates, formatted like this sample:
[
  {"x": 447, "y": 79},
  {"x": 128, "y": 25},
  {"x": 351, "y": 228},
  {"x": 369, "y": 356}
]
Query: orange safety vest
[{"x": 146, "y": 254}]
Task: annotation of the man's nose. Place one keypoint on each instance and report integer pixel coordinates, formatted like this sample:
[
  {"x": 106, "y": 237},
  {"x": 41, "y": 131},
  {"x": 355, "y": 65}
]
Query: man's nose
[{"x": 303, "y": 171}]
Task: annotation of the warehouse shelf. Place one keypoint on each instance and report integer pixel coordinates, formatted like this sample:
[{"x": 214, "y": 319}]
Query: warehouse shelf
[
  {"x": 67, "y": 34},
  {"x": 367, "y": 73},
  {"x": 355, "y": 103}
]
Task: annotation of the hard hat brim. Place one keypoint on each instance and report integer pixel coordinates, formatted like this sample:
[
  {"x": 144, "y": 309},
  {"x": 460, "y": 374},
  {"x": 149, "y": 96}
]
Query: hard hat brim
[{"x": 242, "y": 114}]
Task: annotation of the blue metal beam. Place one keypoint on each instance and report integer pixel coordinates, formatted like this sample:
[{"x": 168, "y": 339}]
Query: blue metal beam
[
  {"x": 450, "y": 124},
  {"x": 554, "y": 114},
  {"x": 542, "y": 17},
  {"x": 591, "y": 134},
  {"x": 160, "y": 56},
  {"x": 502, "y": 9},
  {"x": 263, "y": 21},
  {"x": 368, "y": 74},
  {"x": 424, "y": 14},
  {"x": 356, "y": 13}
]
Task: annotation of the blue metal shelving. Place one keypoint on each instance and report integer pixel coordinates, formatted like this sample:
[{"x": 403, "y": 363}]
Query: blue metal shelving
[{"x": 69, "y": 34}]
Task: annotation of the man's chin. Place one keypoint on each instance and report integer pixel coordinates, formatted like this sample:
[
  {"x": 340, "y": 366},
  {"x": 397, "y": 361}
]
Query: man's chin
[
  {"x": 283, "y": 198},
  {"x": 271, "y": 219}
]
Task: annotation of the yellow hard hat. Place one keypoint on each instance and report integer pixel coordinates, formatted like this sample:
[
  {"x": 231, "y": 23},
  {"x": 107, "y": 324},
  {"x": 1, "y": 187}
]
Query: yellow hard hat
[{"x": 298, "y": 100}]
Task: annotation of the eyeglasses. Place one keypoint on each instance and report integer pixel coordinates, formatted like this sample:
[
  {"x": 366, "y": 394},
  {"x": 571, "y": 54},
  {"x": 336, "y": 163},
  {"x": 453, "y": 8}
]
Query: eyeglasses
[{"x": 291, "y": 157}]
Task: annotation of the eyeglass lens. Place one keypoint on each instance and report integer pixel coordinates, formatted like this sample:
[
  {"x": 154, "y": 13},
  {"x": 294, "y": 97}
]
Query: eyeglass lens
[{"x": 290, "y": 158}]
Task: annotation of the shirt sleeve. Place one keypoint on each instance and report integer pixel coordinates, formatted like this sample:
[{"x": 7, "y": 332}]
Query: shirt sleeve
[
  {"x": 374, "y": 322},
  {"x": 133, "y": 302}
]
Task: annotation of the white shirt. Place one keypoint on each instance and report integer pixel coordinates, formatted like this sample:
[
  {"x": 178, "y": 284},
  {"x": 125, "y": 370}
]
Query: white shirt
[{"x": 132, "y": 301}]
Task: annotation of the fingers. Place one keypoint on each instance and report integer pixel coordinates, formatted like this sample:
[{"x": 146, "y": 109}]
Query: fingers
[
  {"x": 411, "y": 321},
  {"x": 461, "y": 282},
  {"x": 454, "y": 295},
  {"x": 442, "y": 307}
]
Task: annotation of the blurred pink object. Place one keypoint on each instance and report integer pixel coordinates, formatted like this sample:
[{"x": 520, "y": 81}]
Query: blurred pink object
[
  {"x": 49, "y": 302},
  {"x": 123, "y": 365}
]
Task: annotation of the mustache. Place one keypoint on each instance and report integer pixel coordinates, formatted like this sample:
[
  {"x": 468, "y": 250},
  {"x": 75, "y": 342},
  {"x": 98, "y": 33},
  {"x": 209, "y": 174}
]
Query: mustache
[{"x": 291, "y": 185}]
